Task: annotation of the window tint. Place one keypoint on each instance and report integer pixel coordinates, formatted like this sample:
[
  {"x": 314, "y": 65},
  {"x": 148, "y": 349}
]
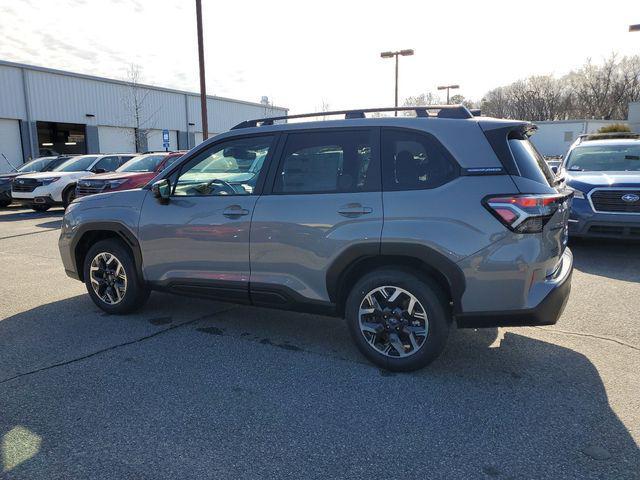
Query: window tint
[
  {"x": 328, "y": 162},
  {"x": 107, "y": 164},
  {"x": 228, "y": 168},
  {"x": 415, "y": 160},
  {"x": 530, "y": 163}
]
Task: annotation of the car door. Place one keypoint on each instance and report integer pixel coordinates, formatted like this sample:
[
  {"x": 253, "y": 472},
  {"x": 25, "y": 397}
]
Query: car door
[
  {"x": 198, "y": 241},
  {"x": 326, "y": 202}
]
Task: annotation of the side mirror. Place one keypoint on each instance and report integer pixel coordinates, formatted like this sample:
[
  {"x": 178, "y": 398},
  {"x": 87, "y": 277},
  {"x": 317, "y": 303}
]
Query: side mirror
[
  {"x": 162, "y": 190},
  {"x": 99, "y": 170}
]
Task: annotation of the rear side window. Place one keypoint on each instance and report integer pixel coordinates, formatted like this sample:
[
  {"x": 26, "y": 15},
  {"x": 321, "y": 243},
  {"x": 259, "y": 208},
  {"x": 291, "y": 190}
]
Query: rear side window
[
  {"x": 414, "y": 160},
  {"x": 529, "y": 161},
  {"x": 328, "y": 162}
]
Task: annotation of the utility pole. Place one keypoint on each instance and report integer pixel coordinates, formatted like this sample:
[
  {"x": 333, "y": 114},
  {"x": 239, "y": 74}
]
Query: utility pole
[
  {"x": 203, "y": 87},
  {"x": 447, "y": 88},
  {"x": 404, "y": 53}
]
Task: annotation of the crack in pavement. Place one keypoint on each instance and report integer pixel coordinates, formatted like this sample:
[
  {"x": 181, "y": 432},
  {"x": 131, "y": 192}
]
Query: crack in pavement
[
  {"x": 114, "y": 347},
  {"x": 590, "y": 335}
]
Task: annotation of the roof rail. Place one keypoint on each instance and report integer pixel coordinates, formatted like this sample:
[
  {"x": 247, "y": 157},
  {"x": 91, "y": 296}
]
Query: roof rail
[
  {"x": 443, "y": 111},
  {"x": 607, "y": 136}
]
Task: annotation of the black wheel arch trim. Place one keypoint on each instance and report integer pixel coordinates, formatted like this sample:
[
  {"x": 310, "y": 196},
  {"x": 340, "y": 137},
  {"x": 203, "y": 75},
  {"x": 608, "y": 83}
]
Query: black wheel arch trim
[
  {"x": 121, "y": 230},
  {"x": 354, "y": 254}
]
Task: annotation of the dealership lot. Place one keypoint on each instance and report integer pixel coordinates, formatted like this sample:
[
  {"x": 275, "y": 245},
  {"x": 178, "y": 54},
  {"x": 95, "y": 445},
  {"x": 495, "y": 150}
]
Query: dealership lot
[{"x": 190, "y": 388}]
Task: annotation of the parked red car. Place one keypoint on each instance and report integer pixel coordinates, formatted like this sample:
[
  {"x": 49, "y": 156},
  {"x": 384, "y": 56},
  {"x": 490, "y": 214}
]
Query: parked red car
[{"x": 136, "y": 173}]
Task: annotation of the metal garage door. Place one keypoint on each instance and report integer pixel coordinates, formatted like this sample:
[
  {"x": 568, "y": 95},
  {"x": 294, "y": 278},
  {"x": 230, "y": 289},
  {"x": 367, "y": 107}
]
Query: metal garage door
[
  {"x": 116, "y": 140},
  {"x": 10, "y": 144}
]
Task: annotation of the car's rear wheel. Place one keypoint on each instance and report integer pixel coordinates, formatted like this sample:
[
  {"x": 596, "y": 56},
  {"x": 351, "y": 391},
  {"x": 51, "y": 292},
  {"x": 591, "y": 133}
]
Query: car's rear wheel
[
  {"x": 40, "y": 208},
  {"x": 111, "y": 278},
  {"x": 69, "y": 196},
  {"x": 397, "y": 320}
]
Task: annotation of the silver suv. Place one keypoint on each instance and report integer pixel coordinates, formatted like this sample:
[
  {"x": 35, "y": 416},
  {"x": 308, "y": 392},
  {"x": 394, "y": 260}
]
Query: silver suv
[{"x": 400, "y": 225}]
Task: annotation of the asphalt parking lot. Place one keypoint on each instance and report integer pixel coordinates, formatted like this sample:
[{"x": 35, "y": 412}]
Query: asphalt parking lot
[{"x": 190, "y": 389}]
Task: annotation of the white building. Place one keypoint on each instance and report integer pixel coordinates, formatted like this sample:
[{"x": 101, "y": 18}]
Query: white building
[
  {"x": 555, "y": 137},
  {"x": 43, "y": 110}
]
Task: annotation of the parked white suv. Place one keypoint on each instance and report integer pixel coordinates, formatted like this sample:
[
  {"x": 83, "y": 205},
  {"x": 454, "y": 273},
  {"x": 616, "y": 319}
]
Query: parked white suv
[{"x": 43, "y": 190}]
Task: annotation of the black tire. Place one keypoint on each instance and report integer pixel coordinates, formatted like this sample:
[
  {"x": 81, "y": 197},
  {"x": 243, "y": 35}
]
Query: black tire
[
  {"x": 430, "y": 298},
  {"x": 136, "y": 292},
  {"x": 40, "y": 208},
  {"x": 68, "y": 196},
  {"x": 5, "y": 203}
]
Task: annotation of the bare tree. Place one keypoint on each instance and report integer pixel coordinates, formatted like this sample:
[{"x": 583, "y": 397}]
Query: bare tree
[
  {"x": 592, "y": 91},
  {"x": 138, "y": 108}
]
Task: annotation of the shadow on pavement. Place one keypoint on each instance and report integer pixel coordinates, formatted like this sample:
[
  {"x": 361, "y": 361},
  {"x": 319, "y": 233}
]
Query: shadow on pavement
[
  {"x": 51, "y": 224},
  {"x": 10, "y": 215},
  {"x": 614, "y": 259},
  {"x": 188, "y": 403}
]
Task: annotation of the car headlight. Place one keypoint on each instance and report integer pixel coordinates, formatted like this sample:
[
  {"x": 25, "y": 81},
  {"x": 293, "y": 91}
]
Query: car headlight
[
  {"x": 49, "y": 180},
  {"x": 576, "y": 193},
  {"x": 111, "y": 184}
]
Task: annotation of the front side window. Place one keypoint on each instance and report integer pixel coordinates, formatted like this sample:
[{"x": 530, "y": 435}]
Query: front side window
[
  {"x": 77, "y": 164},
  {"x": 328, "y": 162},
  {"x": 605, "y": 158},
  {"x": 228, "y": 168},
  {"x": 108, "y": 164},
  {"x": 415, "y": 161}
]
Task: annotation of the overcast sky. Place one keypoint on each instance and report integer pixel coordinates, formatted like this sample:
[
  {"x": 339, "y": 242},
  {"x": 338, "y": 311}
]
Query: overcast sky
[{"x": 302, "y": 52}]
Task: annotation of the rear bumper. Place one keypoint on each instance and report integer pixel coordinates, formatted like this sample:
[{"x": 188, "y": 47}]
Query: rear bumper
[{"x": 546, "y": 312}]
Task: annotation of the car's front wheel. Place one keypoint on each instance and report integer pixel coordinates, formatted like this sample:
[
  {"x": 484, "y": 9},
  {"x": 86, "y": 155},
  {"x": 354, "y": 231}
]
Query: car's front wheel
[
  {"x": 40, "y": 208},
  {"x": 111, "y": 278},
  {"x": 397, "y": 320}
]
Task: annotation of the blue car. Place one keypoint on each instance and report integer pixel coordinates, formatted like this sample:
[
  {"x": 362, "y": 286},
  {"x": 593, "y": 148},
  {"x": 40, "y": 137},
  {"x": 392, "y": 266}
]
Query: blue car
[{"x": 604, "y": 173}]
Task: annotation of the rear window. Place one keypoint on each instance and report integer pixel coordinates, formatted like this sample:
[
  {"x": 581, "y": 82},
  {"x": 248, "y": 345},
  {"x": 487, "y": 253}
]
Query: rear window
[{"x": 529, "y": 161}]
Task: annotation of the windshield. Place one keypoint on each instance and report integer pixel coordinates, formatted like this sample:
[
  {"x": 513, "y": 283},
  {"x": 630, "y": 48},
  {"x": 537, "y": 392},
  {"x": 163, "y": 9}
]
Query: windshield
[
  {"x": 36, "y": 165},
  {"x": 142, "y": 163},
  {"x": 77, "y": 164},
  {"x": 605, "y": 158}
]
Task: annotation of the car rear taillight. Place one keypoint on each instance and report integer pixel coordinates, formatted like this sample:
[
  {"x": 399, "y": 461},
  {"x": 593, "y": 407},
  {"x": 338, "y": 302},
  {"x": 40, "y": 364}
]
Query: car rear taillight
[{"x": 527, "y": 213}]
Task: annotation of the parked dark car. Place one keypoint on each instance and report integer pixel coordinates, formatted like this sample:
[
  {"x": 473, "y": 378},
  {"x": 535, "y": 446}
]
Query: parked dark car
[{"x": 42, "y": 164}]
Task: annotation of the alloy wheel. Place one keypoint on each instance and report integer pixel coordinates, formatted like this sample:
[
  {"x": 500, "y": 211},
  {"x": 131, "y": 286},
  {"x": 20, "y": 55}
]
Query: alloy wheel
[
  {"x": 393, "y": 321},
  {"x": 108, "y": 278}
]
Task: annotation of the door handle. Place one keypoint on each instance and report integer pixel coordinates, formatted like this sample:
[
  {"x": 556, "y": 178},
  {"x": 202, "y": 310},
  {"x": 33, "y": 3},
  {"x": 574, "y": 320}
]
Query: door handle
[
  {"x": 354, "y": 210},
  {"x": 235, "y": 211}
]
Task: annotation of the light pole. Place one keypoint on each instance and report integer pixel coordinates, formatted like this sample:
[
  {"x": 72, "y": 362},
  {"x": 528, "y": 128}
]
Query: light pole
[
  {"x": 404, "y": 53},
  {"x": 447, "y": 88},
  {"x": 203, "y": 87}
]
